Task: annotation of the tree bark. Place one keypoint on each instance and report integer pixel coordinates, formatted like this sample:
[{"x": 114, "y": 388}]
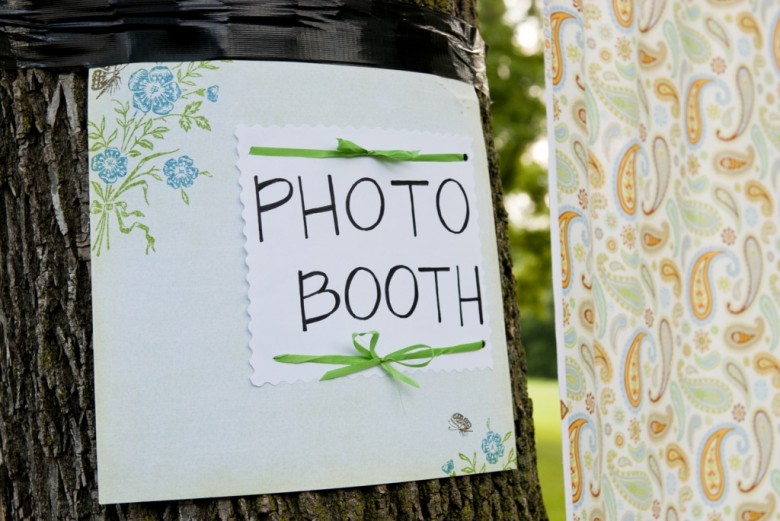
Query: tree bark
[{"x": 47, "y": 407}]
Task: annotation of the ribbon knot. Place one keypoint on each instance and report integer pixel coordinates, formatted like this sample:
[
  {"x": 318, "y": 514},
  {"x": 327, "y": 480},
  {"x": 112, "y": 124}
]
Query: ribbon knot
[
  {"x": 369, "y": 358},
  {"x": 348, "y": 149}
]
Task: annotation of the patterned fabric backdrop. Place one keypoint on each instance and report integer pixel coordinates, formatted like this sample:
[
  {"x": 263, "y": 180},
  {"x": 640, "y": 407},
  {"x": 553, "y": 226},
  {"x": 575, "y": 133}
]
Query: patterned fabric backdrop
[{"x": 664, "y": 120}]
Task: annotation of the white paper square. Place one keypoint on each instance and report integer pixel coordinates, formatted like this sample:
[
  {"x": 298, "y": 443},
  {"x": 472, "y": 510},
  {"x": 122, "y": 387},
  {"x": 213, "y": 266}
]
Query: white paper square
[{"x": 371, "y": 245}]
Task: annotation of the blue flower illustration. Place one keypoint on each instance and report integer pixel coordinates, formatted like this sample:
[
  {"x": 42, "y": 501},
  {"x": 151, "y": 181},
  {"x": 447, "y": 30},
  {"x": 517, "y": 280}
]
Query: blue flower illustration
[
  {"x": 110, "y": 165},
  {"x": 180, "y": 172},
  {"x": 212, "y": 93},
  {"x": 448, "y": 467},
  {"x": 154, "y": 90},
  {"x": 493, "y": 447}
]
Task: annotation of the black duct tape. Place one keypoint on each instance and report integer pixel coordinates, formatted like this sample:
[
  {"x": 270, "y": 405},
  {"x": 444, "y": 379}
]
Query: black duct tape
[{"x": 375, "y": 33}]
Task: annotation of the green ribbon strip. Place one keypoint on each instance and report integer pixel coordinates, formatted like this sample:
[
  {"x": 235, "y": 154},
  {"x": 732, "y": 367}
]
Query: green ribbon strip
[
  {"x": 369, "y": 358},
  {"x": 348, "y": 149}
]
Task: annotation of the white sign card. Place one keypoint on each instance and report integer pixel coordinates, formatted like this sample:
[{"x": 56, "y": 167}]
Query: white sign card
[
  {"x": 295, "y": 280},
  {"x": 338, "y": 245}
]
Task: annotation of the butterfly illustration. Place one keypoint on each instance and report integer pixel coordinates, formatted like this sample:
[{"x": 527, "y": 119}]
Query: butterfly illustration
[
  {"x": 460, "y": 423},
  {"x": 106, "y": 79}
]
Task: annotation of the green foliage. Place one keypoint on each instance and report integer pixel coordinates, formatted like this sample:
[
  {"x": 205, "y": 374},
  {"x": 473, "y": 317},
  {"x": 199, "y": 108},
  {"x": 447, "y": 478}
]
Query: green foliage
[
  {"x": 547, "y": 425},
  {"x": 539, "y": 342},
  {"x": 516, "y": 80},
  {"x": 532, "y": 270}
]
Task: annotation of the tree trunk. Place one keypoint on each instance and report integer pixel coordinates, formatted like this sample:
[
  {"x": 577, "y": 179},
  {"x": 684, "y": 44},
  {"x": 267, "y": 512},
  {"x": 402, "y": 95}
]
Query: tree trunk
[{"x": 47, "y": 407}]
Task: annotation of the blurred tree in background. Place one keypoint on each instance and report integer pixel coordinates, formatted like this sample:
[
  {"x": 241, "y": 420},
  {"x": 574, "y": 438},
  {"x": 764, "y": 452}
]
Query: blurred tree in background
[{"x": 515, "y": 67}]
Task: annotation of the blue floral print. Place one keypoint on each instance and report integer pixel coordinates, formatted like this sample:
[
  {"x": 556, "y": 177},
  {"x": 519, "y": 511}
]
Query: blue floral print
[
  {"x": 212, "y": 93},
  {"x": 154, "y": 90},
  {"x": 109, "y": 164},
  {"x": 493, "y": 447},
  {"x": 180, "y": 172},
  {"x": 155, "y": 104}
]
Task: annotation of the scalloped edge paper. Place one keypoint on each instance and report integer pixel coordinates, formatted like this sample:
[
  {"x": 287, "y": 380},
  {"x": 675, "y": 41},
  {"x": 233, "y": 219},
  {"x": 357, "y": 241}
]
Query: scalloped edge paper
[{"x": 339, "y": 246}]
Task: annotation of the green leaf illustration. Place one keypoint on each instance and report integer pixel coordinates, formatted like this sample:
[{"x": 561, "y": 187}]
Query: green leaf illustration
[
  {"x": 159, "y": 132},
  {"x": 98, "y": 189},
  {"x": 511, "y": 460},
  {"x": 192, "y": 108},
  {"x": 471, "y": 468},
  {"x": 202, "y": 122}
]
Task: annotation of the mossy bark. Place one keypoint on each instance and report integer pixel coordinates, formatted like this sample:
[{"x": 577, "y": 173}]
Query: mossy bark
[{"x": 47, "y": 408}]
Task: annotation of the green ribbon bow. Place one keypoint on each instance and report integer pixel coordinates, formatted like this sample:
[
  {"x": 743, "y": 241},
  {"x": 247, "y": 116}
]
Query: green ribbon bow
[
  {"x": 348, "y": 149},
  {"x": 369, "y": 358}
]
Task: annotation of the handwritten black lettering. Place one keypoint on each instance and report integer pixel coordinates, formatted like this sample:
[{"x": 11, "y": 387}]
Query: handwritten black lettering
[{"x": 270, "y": 206}]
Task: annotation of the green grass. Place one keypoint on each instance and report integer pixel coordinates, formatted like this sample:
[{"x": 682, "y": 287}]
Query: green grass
[{"x": 547, "y": 423}]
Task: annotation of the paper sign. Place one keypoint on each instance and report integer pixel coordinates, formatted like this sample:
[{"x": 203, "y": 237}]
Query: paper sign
[
  {"x": 230, "y": 275},
  {"x": 342, "y": 245}
]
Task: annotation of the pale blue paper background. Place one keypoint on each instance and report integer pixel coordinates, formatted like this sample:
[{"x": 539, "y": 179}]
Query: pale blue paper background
[{"x": 177, "y": 416}]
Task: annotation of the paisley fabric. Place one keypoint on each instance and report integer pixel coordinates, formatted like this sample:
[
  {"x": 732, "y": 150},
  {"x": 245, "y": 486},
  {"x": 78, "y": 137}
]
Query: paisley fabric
[{"x": 664, "y": 123}]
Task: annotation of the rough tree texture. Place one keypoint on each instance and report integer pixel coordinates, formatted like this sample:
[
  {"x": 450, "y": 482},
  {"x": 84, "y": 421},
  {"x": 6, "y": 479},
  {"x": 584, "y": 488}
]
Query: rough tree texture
[{"x": 47, "y": 407}]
